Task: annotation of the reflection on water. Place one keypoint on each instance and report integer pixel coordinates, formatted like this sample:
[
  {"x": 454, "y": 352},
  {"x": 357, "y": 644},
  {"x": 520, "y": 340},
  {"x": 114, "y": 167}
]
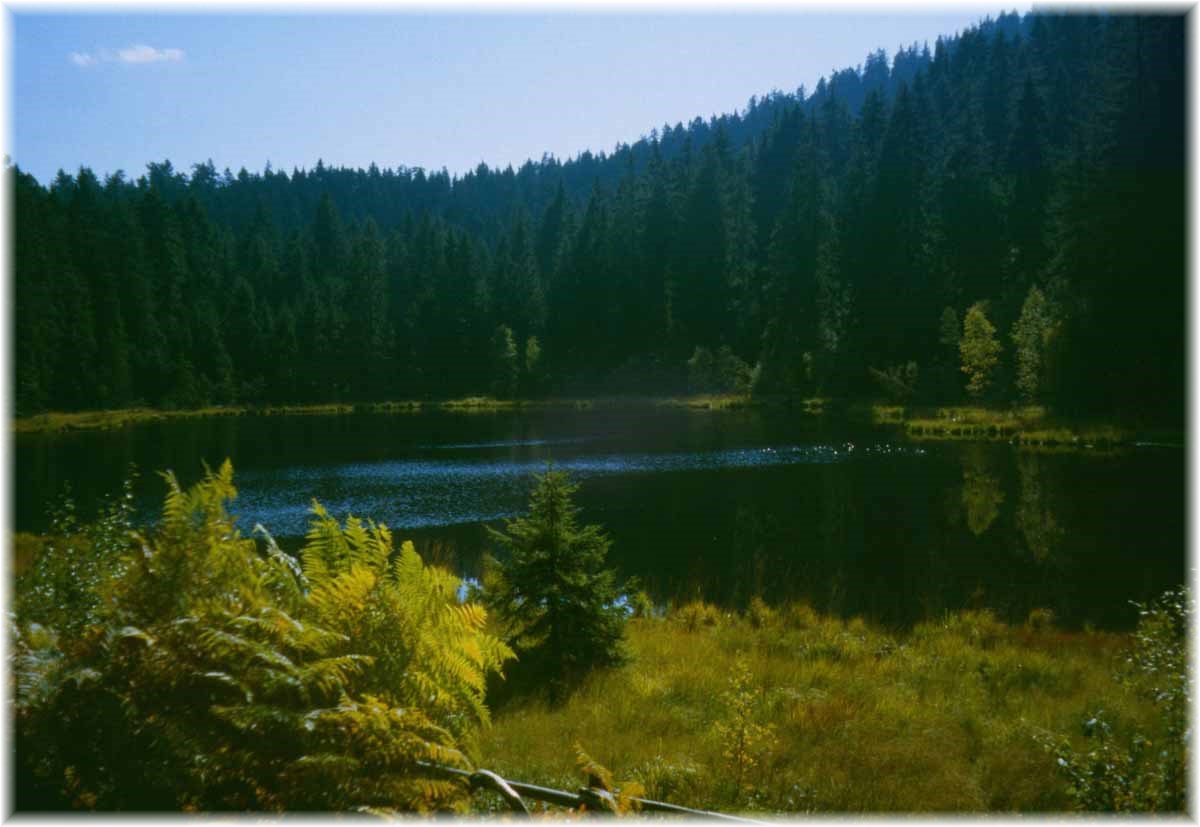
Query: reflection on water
[
  {"x": 724, "y": 505},
  {"x": 981, "y": 493},
  {"x": 506, "y": 443},
  {"x": 1035, "y": 515}
]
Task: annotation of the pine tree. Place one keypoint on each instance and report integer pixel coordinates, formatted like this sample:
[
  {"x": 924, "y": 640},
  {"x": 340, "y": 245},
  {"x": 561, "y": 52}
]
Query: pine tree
[
  {"x": 369, "y": 334},
  {"x": 558, "y": 601},
  {"x": 1029, "y": 171},
  {"x": 803, "y": 334},
  {"x": 702, "y": 295}
]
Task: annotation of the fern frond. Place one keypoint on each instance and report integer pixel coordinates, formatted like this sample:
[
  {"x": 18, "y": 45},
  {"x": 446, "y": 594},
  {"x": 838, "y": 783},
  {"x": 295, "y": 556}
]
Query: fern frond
[
  {"x": 336, "y": 765},
  {"x": 270, "y": 657},
  {"x": 358, "y": 541},
  {"x": 259, "y": 720},
  {"x": 175, "y": 505},
  {"x": 282, "y": 558},
  {"x": 383, "y": 541},
  {"x": 473, "y": 615},
  {"x": 332, "y": 675},
  {"x": 446, "y": 756},
  {"x": 340, "y": 600},
  {"x": 223, "y": 645},
  {"x": 227, "y": 681},
  {"x": 458, "y": 667},
  {"x": 132, "y": 633},
  {"x": 325, "y": 546},
  {"x": 408, "y": 567}
]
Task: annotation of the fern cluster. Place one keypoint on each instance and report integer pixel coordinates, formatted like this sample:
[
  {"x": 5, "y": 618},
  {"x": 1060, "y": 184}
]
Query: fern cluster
[{"x": 211, "y": 671}]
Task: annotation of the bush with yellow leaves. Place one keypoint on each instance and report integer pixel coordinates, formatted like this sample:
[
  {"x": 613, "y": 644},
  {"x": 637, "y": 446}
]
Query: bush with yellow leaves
[
  {"x": 212, "y": 674},
  {"x": 745, "y": 743}
]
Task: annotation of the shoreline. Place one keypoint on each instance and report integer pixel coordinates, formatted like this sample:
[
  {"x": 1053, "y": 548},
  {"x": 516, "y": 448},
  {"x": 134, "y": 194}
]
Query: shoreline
[
  {"x": 52, "y": 422},
  {"x": 1025, "y": 427}
]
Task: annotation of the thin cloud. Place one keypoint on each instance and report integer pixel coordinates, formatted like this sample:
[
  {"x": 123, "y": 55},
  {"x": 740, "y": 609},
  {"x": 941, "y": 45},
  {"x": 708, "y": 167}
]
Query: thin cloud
[
  {"x": 136, "y": 54},
  {"x": 142, "y": 53}
]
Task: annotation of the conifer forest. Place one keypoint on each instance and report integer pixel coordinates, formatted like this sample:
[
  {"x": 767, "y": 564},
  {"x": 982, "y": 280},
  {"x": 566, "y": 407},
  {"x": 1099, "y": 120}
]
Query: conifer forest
[{"x": 1022, "y": 182}]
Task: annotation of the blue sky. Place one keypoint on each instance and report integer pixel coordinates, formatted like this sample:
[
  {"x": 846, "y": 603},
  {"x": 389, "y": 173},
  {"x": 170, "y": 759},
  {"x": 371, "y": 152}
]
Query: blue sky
[{"x": 115, "y": 91}]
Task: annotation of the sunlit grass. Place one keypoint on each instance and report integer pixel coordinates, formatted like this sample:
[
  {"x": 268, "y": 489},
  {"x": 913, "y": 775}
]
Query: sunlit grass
[
  {"x": 1030, "y": 425},
  {"x": 975, "y": 419},
  {"x": 881, "y": 414},
  {"x": 942, "y": 718},
  {"x": 107, "y": 420},
  {"x": 102, "y": 420}
]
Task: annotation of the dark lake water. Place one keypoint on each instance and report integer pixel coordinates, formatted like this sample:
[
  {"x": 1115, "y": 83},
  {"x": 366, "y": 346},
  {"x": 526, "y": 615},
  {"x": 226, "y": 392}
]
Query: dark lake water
[{"x": 722, "y": 504}]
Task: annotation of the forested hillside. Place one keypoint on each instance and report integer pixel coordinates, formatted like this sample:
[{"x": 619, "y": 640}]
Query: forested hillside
[{"x": 998, "y": 216}]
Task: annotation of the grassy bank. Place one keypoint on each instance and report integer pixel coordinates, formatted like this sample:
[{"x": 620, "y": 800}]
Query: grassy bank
[
  {"x": 1031, "y": 425},
  {"x": 105, "y": 420},
  {"x": 1027, "y": 426},
  {"x": 109, "y": 420},
  {"x": 791, "y": 711}
]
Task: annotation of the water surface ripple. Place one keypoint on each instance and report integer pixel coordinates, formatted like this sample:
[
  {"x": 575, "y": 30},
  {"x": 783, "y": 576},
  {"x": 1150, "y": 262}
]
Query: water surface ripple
[{"x": 420, "y": 493}]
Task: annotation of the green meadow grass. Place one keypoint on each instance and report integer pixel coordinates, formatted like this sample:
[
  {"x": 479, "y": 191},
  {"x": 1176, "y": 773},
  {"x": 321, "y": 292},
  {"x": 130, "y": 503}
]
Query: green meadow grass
[{"x": 849, "y": 718}]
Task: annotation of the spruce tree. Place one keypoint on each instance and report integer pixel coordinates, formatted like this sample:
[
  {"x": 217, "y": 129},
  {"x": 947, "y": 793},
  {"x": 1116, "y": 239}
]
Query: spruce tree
[{"x": 553, "y": 591}]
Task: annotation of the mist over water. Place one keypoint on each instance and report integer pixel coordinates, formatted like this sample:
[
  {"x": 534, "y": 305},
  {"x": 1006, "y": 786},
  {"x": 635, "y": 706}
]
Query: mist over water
[{"x": 720, "y": 505}]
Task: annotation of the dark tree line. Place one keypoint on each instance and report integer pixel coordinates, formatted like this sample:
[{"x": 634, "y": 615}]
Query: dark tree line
[{"x": 1028, "y": 172}]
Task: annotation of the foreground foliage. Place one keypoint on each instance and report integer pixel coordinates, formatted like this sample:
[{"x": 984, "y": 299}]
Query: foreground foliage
[
  {"x": 188, "y": 669},
  {"x": 193, "y": 668},
  {"x": 782, "y": 709},
  {"x": 1142, "y": 771}
]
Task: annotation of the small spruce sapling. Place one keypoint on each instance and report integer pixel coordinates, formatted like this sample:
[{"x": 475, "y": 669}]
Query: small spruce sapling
[{"x": 553, "y": 592}]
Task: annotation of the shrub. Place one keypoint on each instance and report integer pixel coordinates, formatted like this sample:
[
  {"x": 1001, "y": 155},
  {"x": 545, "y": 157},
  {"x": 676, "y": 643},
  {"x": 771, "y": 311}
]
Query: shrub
[
  {"x": 214, "y": 675},
  {"x": 641, "y": 605},
  {"x": 745, "y": 743},
  {"x": 696, "y": 615},
  {"x": 800, "y": 616},
  {"x": 1040, "y": 620},
  {"x": 760, "y": 614},
  {"x": 723, "y": 373},
  {"x": 1135, "y": 771}
]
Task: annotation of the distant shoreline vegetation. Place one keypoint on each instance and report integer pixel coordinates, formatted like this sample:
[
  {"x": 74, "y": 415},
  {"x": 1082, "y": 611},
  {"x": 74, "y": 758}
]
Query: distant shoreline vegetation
[
  {"x": 1027, "y": 426},
  {"x": 105, "y": 420}
]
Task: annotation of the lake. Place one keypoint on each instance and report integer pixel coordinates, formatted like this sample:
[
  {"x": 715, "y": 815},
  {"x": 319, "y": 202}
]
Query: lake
[{"x": 722, "y": 505}]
